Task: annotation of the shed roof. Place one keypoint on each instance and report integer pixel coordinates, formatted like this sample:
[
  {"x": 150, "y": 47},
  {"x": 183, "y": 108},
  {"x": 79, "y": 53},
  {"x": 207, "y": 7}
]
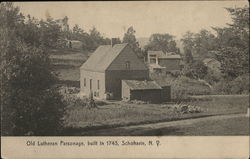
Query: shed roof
[
  {"x": 142, "y": 85},
  {"x": 156, "y": 66},
  {"x": 103, "y": 57}
]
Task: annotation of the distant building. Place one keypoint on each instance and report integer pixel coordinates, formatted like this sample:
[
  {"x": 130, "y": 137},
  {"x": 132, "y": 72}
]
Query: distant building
[
  {"x": 74, "y": 44},
  {"x": 103, "y": 72},
  {"x": 162, "y": 62}
]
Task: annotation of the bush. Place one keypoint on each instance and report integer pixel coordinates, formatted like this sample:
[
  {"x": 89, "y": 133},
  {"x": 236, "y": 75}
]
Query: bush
[
  {"x": 73, "y": 102},
  {"x": 137, "y": 102},
  {"x": 239, "y": 85},
  {"x": 186, "y": 108},
  {"x": 183, "y": 87}
]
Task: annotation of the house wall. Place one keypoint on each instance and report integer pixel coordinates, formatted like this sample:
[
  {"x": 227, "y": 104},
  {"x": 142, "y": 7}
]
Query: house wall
[
  {"x": 127, "y": 54},
  {"x": 152, "y": 95},
  {"x": 113, "y": 79},
  {"x": 117, "y": 71},
  {"x": 170, "y": 64},
  {"x": 75, "y": 44},
  {"x": 95, "y": 76},
  {"x": 166, "y": 94},
  {"x": 125, "y": 91}
]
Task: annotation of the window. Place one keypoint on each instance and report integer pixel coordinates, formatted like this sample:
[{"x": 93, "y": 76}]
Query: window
[
  {"x": 84, "y": 83},
  {"x": 127, "y": 65},
  {"x": 98, "y": 84},
  {"x": 152, "y": 61},
  {"x": 152, "y": 58}
]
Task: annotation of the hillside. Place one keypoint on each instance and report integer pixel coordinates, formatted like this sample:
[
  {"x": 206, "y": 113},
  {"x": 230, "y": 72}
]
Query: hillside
[{"x": 66, "y": 63}]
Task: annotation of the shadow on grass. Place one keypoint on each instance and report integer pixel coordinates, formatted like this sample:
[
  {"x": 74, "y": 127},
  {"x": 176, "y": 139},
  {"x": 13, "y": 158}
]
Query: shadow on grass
[
  {"x": 136, "y": 132},
  {"x": 92, "y": 130}
]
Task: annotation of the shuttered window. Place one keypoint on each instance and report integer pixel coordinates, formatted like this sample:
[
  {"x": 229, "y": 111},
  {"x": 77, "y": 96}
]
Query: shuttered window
[
  {"x": 90, "y": 84},
  {"x": 98, "y": 84},
  {"x": 84, "y": 82},
  {"x": 127, "y": 65}
]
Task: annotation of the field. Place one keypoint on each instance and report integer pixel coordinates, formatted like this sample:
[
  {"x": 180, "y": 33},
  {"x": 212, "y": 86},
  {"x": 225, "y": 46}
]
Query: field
[
  {"x": 66, "y": 63},
  {"x": 115, "y": 114}
]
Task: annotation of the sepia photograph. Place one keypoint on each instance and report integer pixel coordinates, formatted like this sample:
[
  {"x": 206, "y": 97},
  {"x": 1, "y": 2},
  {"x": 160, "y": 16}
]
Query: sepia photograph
[{"x": 149, "y": 68}]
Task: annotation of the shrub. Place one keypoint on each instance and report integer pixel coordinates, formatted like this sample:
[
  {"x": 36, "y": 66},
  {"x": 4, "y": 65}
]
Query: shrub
[
  {"x": 183, "y": 86},
  {"x": 186, "y": 108},
  {"x": 239, "y": 85}
]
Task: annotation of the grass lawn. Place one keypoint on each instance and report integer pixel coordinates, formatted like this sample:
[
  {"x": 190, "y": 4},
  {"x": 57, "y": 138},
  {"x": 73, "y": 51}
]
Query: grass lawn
[
  {"x": 223, "y": 104},
  {"x": 75, "y": 56},
  {"x": 222, "y": 125},
  {"x": 236, "y": 126},
  {"x": 233, "y": 126},
  {"x": 122, "y": 114},
  {"x": 70, "y": 74}
]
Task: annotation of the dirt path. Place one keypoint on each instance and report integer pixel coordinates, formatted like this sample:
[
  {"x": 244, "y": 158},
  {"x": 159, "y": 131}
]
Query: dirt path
[{"x": 235, "y": 124}]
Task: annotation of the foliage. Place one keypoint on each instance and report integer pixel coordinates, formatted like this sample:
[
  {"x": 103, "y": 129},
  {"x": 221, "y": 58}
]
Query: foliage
[
  {"x": 162, "y": 42},
  {"x": 30, "y": 102},
  {"x": 239, "y": 85},
  {"x": 229, "y": 46},
  {"x": 195, "y": 70},
  {"x": 186, "y": 108},
  {"x": 233, "y": 52},
  {"x": 129, "y": 37},
  {"x": 198, "y": 45}
]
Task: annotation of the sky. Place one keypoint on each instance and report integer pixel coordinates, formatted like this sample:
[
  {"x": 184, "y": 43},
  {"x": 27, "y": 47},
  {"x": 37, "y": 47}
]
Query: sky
[{"x": 112, "y": 18}]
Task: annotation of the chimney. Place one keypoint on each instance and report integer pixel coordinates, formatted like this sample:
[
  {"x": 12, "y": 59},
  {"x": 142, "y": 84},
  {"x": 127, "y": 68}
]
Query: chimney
[{"x": 114, "y": 41}]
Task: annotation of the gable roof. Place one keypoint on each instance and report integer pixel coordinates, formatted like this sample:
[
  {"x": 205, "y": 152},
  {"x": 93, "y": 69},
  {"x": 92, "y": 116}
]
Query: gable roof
[
  {"x": 141, "y": 85},
  {"x": 103, "y": 57}
]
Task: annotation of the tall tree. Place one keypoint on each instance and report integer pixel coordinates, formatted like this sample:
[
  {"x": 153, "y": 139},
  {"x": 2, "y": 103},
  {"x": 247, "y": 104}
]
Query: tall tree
[
  {"x": 49, "y": 32},
  {"x": 199, "y": 45},
  {"x": 30, "y": 104},
  {"x": 233, "y": 50},
  {"x": 162, "y": 42},
  {"x": 188, "y": 43},
  {"x": 129, "y": 37}
]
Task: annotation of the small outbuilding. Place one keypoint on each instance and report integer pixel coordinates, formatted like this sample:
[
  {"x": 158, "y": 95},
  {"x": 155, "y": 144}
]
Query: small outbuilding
[
  {"x": 143, "y": 90},
  {"x": 74, "y": 44}
]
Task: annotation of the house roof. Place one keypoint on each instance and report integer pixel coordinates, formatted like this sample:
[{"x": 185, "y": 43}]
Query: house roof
[
  {"x": 170, "y": 56},
  {"x": 154, "y": 65},
  {"x": 158, "y": 53},
  {"x": 161, "y": 54},
  {"x": 142, "y": 85},
  {"x": 103, "y": 57}
]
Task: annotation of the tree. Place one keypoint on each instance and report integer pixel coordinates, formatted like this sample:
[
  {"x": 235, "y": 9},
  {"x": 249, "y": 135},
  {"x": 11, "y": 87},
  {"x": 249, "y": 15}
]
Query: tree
[
  {"x": 95, "y": 39},
  {"x": 49, "y": 32},
  {"x": 188, "y": 43},
  {"x": 162, "y": 42},
  {"x": 233, "y": 42},
  {"x": 199, "y": 45},
  {"x": 129, "y": 37},
  {"x": 30, "y": 102},
  {"x": 195, "y": 70}
]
